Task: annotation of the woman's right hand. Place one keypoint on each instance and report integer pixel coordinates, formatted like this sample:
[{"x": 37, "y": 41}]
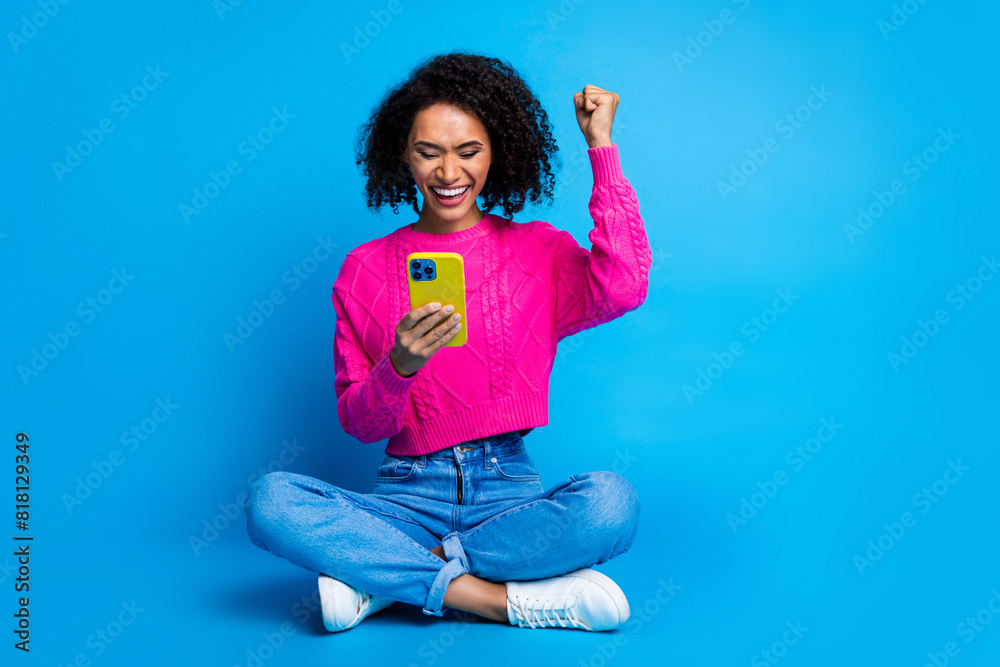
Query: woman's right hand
[{"x": 420, "y": 334}]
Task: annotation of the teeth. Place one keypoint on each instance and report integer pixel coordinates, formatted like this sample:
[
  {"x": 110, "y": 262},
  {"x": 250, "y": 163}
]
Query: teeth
[{"x": 450, "y": 193}]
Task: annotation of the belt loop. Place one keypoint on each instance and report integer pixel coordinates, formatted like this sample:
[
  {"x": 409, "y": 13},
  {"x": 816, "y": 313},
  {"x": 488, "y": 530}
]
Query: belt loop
[
  {"x": 486, "y": 453},
  {"x": 423, "y": 461}
]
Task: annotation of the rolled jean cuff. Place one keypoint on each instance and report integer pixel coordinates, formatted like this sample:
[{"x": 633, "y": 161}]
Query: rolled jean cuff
[
  {"x": 453, "y": 549},
  {"x": 435, "y": 598},
  {"x": 457, "y": 565}
]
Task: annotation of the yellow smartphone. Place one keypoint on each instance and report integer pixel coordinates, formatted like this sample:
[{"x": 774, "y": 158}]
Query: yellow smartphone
[{"x": 439, "y": 276}]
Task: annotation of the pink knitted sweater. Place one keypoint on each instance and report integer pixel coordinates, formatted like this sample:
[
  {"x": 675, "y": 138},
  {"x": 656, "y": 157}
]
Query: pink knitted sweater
[{"x": 528, "y": 285}]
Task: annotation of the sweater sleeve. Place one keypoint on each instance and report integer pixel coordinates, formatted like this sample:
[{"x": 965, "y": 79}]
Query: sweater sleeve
[
  {"x": 371, "y": 395},
  {"x": 612, "y": 278}
]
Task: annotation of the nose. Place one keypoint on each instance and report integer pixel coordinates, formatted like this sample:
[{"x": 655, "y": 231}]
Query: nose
[{"x": 450, "y": 170}]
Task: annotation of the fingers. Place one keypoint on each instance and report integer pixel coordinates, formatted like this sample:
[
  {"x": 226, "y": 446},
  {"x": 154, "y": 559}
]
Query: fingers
[
  {"x": 429, "y": 323},
  {"x": 431, "y": 319},
  {"x": 431, "y": 341},
  {"x": 449, "y": 332},
  {"x": 416, "y": 343},
  {"x": 592, "y": 96},
  {"x": 419, "y": 315}
]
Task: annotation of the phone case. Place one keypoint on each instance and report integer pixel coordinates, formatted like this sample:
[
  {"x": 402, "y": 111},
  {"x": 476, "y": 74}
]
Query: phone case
[{"x": 445, "y": 283}]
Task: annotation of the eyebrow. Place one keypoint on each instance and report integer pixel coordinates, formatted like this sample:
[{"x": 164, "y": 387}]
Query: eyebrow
[{"x": 467, "y": 143}]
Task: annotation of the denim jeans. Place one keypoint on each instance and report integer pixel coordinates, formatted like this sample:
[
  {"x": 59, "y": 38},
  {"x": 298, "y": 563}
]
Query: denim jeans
[{"x": 481, "y": 499}]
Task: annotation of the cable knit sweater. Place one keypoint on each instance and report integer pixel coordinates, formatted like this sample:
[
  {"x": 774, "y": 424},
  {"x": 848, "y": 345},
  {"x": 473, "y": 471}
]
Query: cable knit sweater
[{"x": 528, "y": 285}]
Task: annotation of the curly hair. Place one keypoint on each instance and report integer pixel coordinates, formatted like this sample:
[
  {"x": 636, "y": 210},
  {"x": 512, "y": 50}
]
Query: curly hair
[{"x": 492, "y": 91}]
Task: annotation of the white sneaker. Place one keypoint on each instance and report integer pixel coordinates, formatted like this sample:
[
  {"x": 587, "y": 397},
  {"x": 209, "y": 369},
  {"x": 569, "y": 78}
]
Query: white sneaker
[
  {"x": 585, "y": 599},
  {"x": 345, "y": 606}
]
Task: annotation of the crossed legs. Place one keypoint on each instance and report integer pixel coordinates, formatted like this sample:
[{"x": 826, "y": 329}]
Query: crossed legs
[
  {"x": 364, "y": 540},
  {"x": 470, "y": 593}
]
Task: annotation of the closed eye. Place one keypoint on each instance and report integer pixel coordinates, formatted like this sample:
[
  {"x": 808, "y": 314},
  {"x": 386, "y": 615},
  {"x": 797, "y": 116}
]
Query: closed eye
[{"x": 465, "y": 155}]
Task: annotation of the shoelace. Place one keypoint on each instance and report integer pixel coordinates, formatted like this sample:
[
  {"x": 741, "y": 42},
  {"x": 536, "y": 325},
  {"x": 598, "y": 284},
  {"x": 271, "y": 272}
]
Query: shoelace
[{"x": 546, "y": 615}]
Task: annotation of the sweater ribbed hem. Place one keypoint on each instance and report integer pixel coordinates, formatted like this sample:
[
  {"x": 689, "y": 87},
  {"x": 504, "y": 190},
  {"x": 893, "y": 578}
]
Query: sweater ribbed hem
[
  {"x": 605, "y": 162},
  {"x": 510, "y": 413},
  {"x": 391, "y": 381}
]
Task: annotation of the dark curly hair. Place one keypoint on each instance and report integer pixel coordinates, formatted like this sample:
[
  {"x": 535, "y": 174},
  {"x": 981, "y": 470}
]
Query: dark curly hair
[{"x": 486, "y": 87}]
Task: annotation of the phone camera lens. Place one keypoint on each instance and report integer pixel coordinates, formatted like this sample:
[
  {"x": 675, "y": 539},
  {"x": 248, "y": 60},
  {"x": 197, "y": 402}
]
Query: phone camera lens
[
  {"x": 415, "y": 264},
  {"x": 416, "y": 276},
  {"x": 428, "y": 270}
]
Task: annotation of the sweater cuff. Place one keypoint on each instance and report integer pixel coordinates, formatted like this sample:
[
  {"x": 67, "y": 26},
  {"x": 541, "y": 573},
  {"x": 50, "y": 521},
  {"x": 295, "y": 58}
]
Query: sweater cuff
[
  {"x": 606, "y": 165},
  {"x": 387, "y": 377}
]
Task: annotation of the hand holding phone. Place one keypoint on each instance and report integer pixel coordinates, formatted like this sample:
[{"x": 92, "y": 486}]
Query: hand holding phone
[
  {"x": 436, "y": 283},
  {"x": 420, "y": 334}
]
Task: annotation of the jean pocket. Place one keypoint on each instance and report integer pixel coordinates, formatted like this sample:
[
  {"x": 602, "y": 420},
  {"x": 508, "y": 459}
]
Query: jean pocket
[
  {"x": 396, "y": 469},
  {"x": 515, "y": 467}
]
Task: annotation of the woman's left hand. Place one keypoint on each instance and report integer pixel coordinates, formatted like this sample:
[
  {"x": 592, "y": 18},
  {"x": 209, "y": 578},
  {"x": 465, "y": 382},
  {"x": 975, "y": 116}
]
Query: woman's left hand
[{"x": 595, "y": 110}]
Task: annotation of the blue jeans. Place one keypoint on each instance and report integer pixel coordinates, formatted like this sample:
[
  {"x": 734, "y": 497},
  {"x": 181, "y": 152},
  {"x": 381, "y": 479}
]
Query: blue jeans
[{"x": 482, "y": 500}]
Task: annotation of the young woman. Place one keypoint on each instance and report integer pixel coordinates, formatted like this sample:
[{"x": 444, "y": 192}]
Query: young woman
[{"x": 458, "y": 516}]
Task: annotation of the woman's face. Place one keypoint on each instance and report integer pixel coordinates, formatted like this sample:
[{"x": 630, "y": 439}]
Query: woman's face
[{"x": 448, "y": 149}]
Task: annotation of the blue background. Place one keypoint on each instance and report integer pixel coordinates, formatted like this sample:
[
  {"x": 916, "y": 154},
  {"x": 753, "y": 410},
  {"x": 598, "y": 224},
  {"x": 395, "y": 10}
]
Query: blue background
[{"x": 617, "y": 391}]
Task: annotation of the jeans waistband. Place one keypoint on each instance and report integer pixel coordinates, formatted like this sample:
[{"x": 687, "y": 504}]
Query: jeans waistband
[{"x": 501, "y": 443}]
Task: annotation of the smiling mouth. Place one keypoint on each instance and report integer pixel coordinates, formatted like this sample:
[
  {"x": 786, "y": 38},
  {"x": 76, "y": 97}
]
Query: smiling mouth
[{"x": 450, "y": 193}]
